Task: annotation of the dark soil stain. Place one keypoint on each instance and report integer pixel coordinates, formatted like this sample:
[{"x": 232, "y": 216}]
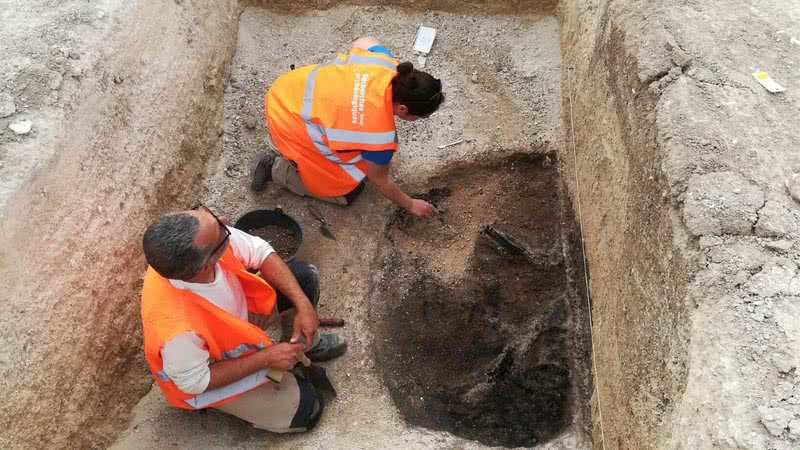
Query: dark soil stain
[{"x": 486, "y": 354}]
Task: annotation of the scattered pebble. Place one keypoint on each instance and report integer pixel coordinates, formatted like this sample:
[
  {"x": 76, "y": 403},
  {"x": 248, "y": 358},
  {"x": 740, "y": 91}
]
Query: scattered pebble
[
  {"x": 250, "y": 123},
  {"x": 781, "y": 245},
  {"x": 776, "y": 220},
  {"x": 21, "y": 127},
  {"x": 74, "y": 55},
  {"x": 776, "y": 420},
  {"x": 784, "y": 390},
  {"x": 7, "y": 106},
  {"x": 794, "y": 428},
  {"x": 793, "y": 186},
  {"x": 712, "y": 206},
  {"x": 474, "y": 78},
  {"x": 54, "y": 80},
  {"x": 680, "y": 58},
  {"x": 118, "y": 79},
  {"x": 784, "y": 364}
]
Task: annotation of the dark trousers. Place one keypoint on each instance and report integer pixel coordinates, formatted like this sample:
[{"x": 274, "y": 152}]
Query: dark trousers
[{"x": 307, "y": 277}]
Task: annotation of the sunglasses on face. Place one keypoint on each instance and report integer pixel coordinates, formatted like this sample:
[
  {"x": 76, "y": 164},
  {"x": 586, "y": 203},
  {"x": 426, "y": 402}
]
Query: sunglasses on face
[{"x": 225, "y": 231}]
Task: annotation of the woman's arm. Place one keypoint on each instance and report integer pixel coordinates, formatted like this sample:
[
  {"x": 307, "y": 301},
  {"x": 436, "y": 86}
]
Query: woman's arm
[{"x": 379, "y": 176}]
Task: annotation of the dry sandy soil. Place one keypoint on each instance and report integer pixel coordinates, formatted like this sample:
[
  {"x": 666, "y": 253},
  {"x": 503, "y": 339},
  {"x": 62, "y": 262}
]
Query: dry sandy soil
[{"x": 679, "y": 163}]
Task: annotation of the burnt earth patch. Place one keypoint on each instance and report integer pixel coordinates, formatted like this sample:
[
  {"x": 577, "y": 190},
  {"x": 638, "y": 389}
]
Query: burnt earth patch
[{"x": 472, "y": 308}]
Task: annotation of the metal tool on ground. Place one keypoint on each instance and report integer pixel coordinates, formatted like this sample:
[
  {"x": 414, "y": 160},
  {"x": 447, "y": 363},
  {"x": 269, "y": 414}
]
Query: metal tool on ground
[
  {"x": 512, "y": 246},
  {"x": 331, "y": 322},
  {"x": 450, "y": 144},
  {"x": 316, "y": 374},
  {"x": 324, "y": 225}
]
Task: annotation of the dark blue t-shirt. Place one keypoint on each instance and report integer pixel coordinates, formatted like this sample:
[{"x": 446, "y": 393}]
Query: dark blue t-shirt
[{"x": 383, "y": 157}]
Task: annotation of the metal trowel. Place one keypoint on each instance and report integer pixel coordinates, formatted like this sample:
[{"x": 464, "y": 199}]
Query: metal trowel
[{"x": 324, "y": 226}]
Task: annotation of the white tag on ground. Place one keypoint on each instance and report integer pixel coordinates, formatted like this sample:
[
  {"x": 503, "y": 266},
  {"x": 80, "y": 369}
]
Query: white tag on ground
[
  {"x": 767, "y": 82},
  {"x": 424, "y": 41}
]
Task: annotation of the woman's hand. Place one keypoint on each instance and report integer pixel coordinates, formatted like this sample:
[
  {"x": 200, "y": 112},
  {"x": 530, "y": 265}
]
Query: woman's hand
[{"x": 420, "y": 208}]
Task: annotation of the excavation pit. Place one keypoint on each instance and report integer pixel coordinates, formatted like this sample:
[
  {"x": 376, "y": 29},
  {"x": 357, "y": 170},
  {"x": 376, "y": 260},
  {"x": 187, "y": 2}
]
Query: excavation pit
[{"x": 472, "y": 311}]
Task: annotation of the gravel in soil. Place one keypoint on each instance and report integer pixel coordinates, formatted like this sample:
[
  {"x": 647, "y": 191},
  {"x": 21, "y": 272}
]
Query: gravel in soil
[{"x": 280, "y": 238}]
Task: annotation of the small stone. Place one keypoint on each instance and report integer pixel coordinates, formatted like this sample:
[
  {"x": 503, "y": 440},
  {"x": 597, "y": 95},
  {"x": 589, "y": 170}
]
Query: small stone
[
  {"x": 794, "y": 429},
  {"x": 21, "y": 127},
  {"x": 779, "y": 246},
  {"x": 7, "y": 106},
  {"x": 118, "y": 79},
  {"x": 712, "y": 207},
  {"x": 783, "y": 363},
  {"x": 740, "y": 277},
  {"x": 421, "y": 60},
  {"x": 775, "y": 220},
  {"x": 474, "y": 78},
  {"x": 74, "y": 55},
  {"x": 710, "y": 241},
  {"x": 775, "y": 277},
  {"x": 680, "y": 58},
  {"x": 675, "y": 73},
  {"x": 783, "y": 390},
  {"x": 250, "y": 123},
  {"x": 776, "y": 420},
  {"x": 100, "y": 15},
  {"x": 54, "y": 80},
  {"x": 793, "y": 186},
  {"x": 75, "y": 72}
]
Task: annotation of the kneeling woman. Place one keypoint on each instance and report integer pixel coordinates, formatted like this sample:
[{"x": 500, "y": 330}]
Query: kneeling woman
[{"x": 333, "y": 125}]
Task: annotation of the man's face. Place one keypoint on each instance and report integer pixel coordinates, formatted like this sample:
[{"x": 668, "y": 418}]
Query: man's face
[{"x": 211, "y": 234}]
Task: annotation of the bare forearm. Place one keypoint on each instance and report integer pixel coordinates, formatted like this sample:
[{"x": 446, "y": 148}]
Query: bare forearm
[
  {"x": 278, "y": 275},
  {"x": 227, "y": 371},
  {"x": 392, "y": 192}
]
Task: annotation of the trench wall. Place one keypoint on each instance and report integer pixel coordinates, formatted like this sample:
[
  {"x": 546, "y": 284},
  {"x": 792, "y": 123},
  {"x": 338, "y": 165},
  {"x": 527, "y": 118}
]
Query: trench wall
[
  {"x": 136, "y": 145},
  {"x": 638, "y": 276}
]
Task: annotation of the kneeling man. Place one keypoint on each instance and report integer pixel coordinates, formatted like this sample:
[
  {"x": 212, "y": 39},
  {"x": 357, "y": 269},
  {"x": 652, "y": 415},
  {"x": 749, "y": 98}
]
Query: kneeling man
[{"x": 199, "y": 305}]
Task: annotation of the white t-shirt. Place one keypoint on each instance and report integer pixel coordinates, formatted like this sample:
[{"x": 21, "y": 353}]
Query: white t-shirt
[{"x": 186, "y": 356}]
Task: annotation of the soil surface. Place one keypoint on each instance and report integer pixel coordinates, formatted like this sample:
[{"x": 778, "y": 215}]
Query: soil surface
[
  {"x": 281, "y": 239},
  {"x": 472, "y": 338}
]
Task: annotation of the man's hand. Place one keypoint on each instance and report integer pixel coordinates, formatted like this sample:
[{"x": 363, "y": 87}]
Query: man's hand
[
  {"x": 281, "y": 356},
  {"x": 306, "y": 322},
  {"x": 420, "y": 208}
]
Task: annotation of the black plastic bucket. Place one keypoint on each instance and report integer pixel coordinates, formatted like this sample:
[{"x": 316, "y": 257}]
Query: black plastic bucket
[{"x": 258, "y": 218}]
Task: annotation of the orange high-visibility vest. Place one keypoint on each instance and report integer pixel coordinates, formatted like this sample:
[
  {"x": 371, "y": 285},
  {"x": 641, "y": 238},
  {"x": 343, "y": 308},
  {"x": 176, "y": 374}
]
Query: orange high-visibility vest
[
  {"x": 320, "y": 115},
  {"x": 168, "y": 311}
]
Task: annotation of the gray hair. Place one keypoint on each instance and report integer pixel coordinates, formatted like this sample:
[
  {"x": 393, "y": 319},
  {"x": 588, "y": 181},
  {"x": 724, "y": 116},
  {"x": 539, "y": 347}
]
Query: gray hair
[{"x": 168, "y": 246}]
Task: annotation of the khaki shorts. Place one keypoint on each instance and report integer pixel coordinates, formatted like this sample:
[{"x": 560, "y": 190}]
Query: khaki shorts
[
  {"x": 284, "y": 174},
  {"x": 290, "y": 406}
]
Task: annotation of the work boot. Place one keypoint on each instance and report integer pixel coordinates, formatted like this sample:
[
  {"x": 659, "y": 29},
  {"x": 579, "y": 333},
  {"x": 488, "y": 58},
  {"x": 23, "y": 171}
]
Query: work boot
[
  {"x": 329, "y": 346},
  {"x": 262, "y": 174}
]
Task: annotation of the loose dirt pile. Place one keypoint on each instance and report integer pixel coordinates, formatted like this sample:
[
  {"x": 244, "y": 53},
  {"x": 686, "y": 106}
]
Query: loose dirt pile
[{"x": 281, "y": 239}]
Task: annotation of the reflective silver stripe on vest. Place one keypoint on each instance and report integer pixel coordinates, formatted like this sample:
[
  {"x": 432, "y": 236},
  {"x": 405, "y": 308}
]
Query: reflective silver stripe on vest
[
  {"x": 360, "y": 137},
  {"x": 241, "y": 348},
  {"x": 362, "y": 59},
  {"x": 163, "y": 376},
  {"x": 315, "y": 132},
  {"x": 214, "y": 395},
  {"x": 230, "y": 354}
]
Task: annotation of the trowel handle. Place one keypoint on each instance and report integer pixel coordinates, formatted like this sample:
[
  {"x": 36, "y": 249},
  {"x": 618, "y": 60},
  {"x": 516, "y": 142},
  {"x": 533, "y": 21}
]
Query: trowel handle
[
  {"x": 303, "y": 359},
  {"x": 277, "y": 375}
]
